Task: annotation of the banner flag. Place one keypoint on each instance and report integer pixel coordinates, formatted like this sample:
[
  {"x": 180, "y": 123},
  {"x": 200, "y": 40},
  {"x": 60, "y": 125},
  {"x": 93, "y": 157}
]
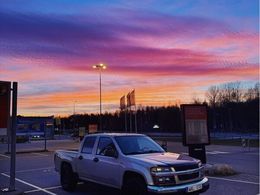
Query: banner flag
[
  {"x": 132, "y": 98},
  {"x": 128, "y": 100},
  {"x": 122, "y": 103}
]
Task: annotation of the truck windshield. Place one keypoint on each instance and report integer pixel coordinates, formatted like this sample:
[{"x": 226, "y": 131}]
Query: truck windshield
[{"x": 137, "y": 145}]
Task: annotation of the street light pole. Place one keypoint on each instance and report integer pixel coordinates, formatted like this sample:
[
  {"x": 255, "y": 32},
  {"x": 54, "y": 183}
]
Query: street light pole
[
  {"x": 100, "y": 67},
  {"x": 100, "y": 102}
]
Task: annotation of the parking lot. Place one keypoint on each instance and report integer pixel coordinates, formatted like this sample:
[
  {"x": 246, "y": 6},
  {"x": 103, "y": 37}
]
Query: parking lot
[{"x": 35, "y": 172}]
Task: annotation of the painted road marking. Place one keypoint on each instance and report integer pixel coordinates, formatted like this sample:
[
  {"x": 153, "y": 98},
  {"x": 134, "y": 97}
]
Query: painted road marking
[
  {"x": 217, "y": 152},
  {"x": 4, "y": 156},
  {"x": 29, "y": 184},
  {"x": 39, "y": 154},
  {"x": 49, "y": 188},
  {"x": 211, "y": 152},
  {"x": 36, "y": 190},
  {"x": 234, "y": 180},
  {"x": 31, "y": 170},
  {"x": 220, "y": 152}
]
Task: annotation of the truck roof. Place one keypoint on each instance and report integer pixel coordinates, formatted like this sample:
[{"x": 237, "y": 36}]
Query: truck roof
[{"x": 117, "y": 134}]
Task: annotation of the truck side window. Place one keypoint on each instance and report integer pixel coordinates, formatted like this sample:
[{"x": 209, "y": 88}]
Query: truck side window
[
  {"x": 88, "y": 145},
  {"x": 106, "y": 147}
]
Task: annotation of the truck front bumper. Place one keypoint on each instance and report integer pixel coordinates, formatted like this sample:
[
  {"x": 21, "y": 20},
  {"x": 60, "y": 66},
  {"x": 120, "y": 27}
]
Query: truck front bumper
[{"x": 180, "y": 188}]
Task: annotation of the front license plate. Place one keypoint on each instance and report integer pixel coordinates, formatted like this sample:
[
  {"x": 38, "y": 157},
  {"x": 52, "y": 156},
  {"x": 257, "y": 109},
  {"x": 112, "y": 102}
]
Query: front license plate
[{"x": 195, "y": 188}]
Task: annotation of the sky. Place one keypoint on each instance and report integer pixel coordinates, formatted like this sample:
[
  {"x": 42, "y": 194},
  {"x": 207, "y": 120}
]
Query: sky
[{"x": 169, "y": 51}]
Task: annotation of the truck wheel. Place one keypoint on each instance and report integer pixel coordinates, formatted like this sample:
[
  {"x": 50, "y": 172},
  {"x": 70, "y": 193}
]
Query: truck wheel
[
  {"x": 68, "y": 179},
  {"x": 134, "y": 186}
]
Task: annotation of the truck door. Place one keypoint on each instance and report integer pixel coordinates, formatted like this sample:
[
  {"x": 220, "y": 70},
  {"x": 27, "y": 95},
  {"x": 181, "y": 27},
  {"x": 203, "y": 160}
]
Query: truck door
[
  {"x": 107, "y": 168},
  {"x": 85, "y": 165}
]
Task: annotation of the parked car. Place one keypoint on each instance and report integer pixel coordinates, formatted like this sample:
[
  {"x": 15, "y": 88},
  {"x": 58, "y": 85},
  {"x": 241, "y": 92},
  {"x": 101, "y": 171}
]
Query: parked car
[{"x": 133, "y": 163}]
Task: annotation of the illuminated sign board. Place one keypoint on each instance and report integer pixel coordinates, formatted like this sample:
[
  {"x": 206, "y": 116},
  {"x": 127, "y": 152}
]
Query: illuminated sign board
[
  {"x": 195, "y": 124},
  {"x": 82, "y": 131},
  {"x": 5, "y": 89},
  {"x": 92, "y": 128}
]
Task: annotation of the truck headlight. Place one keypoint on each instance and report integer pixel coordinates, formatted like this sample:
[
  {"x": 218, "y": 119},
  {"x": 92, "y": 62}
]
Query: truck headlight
[
  {"x": 160, "y": 169},
  {"x": 160, "y": 176},
  {"x": 200, "y": 163}
]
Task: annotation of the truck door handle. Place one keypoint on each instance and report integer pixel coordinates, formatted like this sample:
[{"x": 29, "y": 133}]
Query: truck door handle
[
  {"x": 96, "y": 159},
  {"x": 80, "y": 157}
]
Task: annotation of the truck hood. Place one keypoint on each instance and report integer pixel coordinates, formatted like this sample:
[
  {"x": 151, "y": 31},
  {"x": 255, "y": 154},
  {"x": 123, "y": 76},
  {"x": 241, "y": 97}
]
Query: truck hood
[{"x": 165, "y": 159}]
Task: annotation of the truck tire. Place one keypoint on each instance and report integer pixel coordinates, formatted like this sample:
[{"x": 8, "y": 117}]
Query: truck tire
[
  {"x": 134, "y": 186},
  {"x": 68, "y": 179}
]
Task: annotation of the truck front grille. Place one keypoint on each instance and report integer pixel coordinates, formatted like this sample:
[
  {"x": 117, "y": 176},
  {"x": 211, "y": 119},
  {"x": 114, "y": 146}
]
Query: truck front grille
[
  {"x": 188, "y": 176},
  {"x": 185, "y": 167}
]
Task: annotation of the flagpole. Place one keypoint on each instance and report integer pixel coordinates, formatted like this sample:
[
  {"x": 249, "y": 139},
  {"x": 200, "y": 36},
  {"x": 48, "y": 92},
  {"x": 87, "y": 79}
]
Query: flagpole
[
  {"x": 135, "y": 120},
  {"x": 125, "y": 111},
  {"x": 123, "y": 108},
  {"x": 130, "y": 120}
]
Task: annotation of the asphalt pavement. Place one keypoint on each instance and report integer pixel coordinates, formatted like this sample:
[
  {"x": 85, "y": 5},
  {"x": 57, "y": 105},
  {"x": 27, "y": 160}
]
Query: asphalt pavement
[{"x": 35, "y": 172}]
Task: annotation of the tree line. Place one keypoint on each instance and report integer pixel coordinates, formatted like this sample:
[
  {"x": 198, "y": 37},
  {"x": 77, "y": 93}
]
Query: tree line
[
  {"x": 233, "y": 108},
  {"x": 230, "y": 108}
]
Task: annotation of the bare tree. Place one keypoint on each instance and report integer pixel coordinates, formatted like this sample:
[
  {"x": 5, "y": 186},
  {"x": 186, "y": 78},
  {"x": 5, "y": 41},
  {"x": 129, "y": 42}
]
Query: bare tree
[
  {"x": 249, "y": 95},
  {"x": 230, "y": 92},
  {"x": 256, "y": 90},
  {"x": 196, "y": 100},
  {"x": 252, "y": 93},
  {"x": 212, "y": 95},
  {"x": 236, "y": 92}
]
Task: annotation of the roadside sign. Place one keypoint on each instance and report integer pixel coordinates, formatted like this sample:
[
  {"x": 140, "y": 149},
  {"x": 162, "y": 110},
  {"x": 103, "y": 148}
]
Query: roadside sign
[
  {"x": 82, "y": 131},
  {"x": 5, "y": 89},
  {"x": 195, "y": 130},
  {"x": 92, "y": 128},
  {"x": 195, "y": 124}
]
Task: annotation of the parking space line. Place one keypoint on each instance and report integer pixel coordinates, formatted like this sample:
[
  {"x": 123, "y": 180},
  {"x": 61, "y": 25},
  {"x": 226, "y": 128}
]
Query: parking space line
[
  {"x": 211, "y": 152},
  {"x": 40, "y": 154},
  {"x": 36, "y": 190},
  {"x": 220, "y": 152},
  {"x": 48, "y": 188},
  {"x": 233, "y": 180},
  {"x": 30, "y": 170},
  {"x": 29, "y": 184},
  {"x": 4, "y": 156}
]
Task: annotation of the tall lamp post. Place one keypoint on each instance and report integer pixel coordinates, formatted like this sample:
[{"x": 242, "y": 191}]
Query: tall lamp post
[{"x": 100, "y": 67}]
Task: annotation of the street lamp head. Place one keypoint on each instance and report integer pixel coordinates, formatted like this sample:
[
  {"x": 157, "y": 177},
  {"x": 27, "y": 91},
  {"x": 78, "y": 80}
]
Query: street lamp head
[{"x": 99, "y": 66}]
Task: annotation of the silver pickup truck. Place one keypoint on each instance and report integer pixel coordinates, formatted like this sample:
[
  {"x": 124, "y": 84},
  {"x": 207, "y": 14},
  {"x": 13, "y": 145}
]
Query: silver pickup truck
[{"x": 133, "y": 163}]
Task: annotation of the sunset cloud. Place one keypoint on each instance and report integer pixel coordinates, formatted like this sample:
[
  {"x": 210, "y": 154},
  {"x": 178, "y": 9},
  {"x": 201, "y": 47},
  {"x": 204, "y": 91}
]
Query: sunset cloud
[{"x": 167, "y": 52}]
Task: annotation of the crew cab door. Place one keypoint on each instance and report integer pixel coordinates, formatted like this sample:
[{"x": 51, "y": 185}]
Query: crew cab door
[
  {"x": 107, "y": 168},
  {"x": 84, "y": 162}
]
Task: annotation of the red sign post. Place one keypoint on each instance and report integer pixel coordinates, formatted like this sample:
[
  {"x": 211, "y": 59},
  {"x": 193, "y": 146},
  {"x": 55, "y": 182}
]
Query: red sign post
[
  {"x": 5, "y": 100},
  {"x": 5, "y": 90}
]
